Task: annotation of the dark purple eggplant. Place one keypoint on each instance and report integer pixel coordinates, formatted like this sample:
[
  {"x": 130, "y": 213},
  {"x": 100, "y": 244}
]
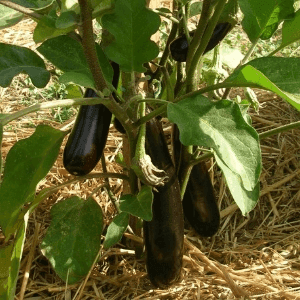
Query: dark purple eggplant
[
  {"x": 87, "y": 140},
  {"x": 163, "y": 235},
  {"x": 199, "y": 202},
  {"x": 179, "y": 47}
]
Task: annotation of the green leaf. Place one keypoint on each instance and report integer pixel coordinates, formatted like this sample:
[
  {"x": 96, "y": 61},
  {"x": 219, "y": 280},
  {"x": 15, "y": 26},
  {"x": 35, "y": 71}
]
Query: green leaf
[
  {"x": 164, "y": 10},
  {"x": 77, "y": 78},
  {"x": 195, "y": 9},
  {"x": 245, "y": 200},
  {"x": 15, "y": 60},
  {"x": 276, "y": 74},
  {"x": 34, "y": 4},
  {"x": 67, "y": 54},
  {"x": 116, "y": 229},
  {"x": 10, "y": 258},
  {"x": 46, "y": 28},
  {"x": 73, "y": 91},
  {"x": 67, "y": 19},
  {"x": 221, "y": 126},
  {"x": 290, "y": 31},
  {"x": 27, "y": 162},
  {"x": 9, "y": 17},
  {"x": 261, "y": 18},
  {"x": 73, "y": 239},
  {"x": 132, "y": 25},
  {"x": 140, "y": 205}
]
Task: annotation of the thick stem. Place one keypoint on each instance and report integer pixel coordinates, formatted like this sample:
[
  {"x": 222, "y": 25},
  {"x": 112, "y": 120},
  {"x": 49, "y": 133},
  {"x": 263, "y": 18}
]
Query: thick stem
[
  {"x": 22, "y": 9},
  {"x": 204, "y": 18},
  {"x": 204, "y": 42},
  {"x": 88, "y": 44}
]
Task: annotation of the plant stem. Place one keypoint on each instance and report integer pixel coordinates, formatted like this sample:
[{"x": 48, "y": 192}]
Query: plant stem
[
  {"x": 107, "y": 185},
  {"x": 243, "y": 61},
  {"x": 277, "y": 130},
  {"x": 219, "y": 5},
  {"x": 163, "y": 108},
  {"x": 184, "y": 13},
  {"x": 52, "y": 104},
  {"x": 174, "y": 20},
  {"x": 88, "y": 44},
  {"x": 204, "y": 18},
  {"x": 166, "y": 52},
  {"x": 185, "y": 168},
  {"x": 170, "y": 92},
  {"x": 45, "y": 193},
  {"x": 249, "y": 52},
  {"x": 22, "y": 9},
  {"x": 140, "y": 151}
]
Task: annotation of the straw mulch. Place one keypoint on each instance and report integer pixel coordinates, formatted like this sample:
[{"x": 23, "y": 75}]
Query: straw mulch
[{"x": 256, "y": 256}]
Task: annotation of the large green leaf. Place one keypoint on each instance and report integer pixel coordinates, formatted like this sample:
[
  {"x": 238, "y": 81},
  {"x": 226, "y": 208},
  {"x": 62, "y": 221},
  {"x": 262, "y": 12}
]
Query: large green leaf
[
  {"x": 140, "y": 205},
  {"x": 245, "y": 200},
  {"x": 261, "y": 18},
  {"x": 290, "y": 31},
  {"x": 221, "y": 126},
  {"x": 27, "y": 162},
  {"x": 67, "y": 54},
  {"x": 275, "y": 74},
  {"x": 15, "y": 60},
  {"x": 116, "y": 229},
  {"x": 10, "y": 257},
  {"x": 282, "y": 71},
  {"x": 73, "y": 239},
  {"x": 9, "y": 17},
  {"x": 132, "y": 25}
]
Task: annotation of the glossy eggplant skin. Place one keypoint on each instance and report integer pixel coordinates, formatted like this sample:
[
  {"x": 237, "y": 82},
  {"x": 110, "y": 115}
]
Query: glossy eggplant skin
[
  {"x": 87, "y": 140},
  {"x": 199, "y": 202},
  {"x": 164, "y": 234},
  {"x": 179, "y": 47}
]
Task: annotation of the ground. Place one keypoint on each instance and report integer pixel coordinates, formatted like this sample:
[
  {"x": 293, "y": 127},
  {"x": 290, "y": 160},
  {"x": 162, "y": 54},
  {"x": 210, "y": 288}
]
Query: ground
[{"x": 256, "y": 255}]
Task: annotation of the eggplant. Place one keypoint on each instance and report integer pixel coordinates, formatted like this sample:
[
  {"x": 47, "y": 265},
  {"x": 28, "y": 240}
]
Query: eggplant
[
  {"x": 199, "y": 202},
  {"x": 179, "y": 47},
  {"x": 164, "y": 234},
  {"x": 87, "y": 140}
]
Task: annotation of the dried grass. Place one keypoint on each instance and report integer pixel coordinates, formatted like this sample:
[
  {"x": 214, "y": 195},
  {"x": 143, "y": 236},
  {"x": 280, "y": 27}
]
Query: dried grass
[{"x": 254, "y": 257}]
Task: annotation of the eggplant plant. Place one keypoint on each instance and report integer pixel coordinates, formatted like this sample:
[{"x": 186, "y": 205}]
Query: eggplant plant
[{"x": 162, "y": 191}]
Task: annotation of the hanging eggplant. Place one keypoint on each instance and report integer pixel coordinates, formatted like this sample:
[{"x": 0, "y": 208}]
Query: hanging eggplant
[
  {"x": 179, "y": 47},
  {"x": 199, "y": 202},
  {"x": 163, "y": 235},
  {"x": 87, "y": 140}
]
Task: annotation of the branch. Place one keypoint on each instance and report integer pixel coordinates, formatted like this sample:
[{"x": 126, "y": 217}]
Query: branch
[
  {"x": 51, "y": 104},
  {"x": 22, "y": 9},
  {"x": 88, "y": 44},
  {"x": 203, "y": 44},
  {"x": 90, "y": 52}
]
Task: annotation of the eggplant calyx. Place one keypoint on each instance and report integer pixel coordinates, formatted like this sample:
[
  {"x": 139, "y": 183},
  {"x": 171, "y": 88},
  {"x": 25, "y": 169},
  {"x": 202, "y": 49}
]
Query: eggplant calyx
[{"x": 147, "y": 172}]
